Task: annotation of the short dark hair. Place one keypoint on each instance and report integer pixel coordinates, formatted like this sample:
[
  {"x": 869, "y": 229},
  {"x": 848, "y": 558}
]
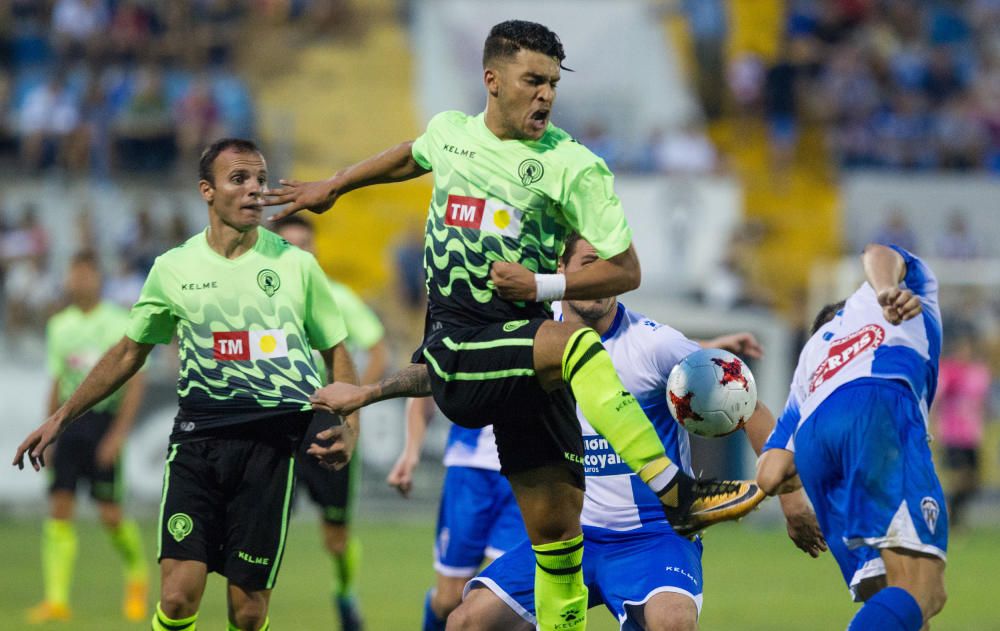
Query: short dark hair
[
  {"x": 208, "y": 156},
  {"x": 569, "y": 246},
  {"x": 506, "y": 38},
  {"x": 86, "y": 257},
  {"x": 293, "y": 220},
  {"x": 826, "y": 314}
]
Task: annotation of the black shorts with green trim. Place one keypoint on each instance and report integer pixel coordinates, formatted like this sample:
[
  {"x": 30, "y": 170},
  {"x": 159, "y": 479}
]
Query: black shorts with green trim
[
  {"x": 335, "y": 492},
  {"x": 226, "y": 500},
  {"x": 75, "y": 459},
  {"x": 483, "y": 375}
]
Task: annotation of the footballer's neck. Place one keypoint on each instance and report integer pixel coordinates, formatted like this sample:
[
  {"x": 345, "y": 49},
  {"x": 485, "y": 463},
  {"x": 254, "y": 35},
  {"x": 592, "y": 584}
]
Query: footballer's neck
[{"x": 228, "y": 241}]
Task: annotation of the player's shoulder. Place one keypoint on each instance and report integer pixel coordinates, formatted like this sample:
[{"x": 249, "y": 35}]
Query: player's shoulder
[
  {"x": 449, "y": 119},
  {"x": 271, "y": 245},
  {"x": 112, "y": 310},
  {"x": 559, "y": 146},
  {"x": 641, "y": 326},
  {"x": 181, "y": 252},
  {"x": 62, "y": 317}
]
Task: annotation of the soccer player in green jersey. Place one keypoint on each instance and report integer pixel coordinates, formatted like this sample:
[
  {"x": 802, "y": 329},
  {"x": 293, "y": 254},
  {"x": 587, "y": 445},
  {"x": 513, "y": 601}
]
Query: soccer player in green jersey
[
  {"x": 247, "y": 309},
  {"x": 335, "y": 491},
  {"x": 90, "y": 450},
  {"x": 508, "y": 187}
]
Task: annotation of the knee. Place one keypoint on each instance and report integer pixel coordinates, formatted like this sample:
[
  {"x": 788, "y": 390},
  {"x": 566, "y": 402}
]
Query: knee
[
  {"x": 673, "y": 622},
  {"x": 177, "y": 602},
  {"x": 111, "y": 517},
  {"x": 447, "y": 599},
  {"x": 461, "y": 619},
  {"x": 335, "y": 539}
]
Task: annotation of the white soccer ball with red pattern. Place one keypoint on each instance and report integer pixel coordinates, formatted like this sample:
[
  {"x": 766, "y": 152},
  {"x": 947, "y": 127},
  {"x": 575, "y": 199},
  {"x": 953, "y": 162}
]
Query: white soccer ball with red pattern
[{"x": 711, "y": 393}]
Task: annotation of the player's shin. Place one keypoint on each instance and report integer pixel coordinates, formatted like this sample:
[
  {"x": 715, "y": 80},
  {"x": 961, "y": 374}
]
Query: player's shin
[
  {"x": 127, "y": 541},
  {"x": 560, "y": 593},
  {"x": 613, "y": 411},
  {"x": 59, "y": 548},
  {"x": 162, "y": 622}
]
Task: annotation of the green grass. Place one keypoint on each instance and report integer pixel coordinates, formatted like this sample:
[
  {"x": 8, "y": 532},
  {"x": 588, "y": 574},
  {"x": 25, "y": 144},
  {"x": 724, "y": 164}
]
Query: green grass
[{"x": 755, "y": 580}]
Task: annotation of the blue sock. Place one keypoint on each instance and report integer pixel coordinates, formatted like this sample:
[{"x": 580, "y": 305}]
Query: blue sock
[
  {"x": 431, "y": 621},
  {"x": 892, "y": 609}
]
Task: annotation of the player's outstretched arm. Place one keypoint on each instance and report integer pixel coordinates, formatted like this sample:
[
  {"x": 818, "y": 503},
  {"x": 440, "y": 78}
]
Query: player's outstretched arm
[
  {"x": 599, "y": 279},
  {"x": 419, "y": 412},
  {"x": 115, "y": 368},
  {"x": 885, "y": 269},
  {"x": 344, "y": 398},
  {"x": 392, "y": 165}
]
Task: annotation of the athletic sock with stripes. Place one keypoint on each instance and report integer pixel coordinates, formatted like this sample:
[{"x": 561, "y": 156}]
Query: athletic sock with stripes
[
  {"x": 127, "y": 540},
  {"x": 560, "y": 593},
  {"x": 613, "y": 411},
  {"x": 162, "y": 622},
  {"x": 58, "y": 559}
]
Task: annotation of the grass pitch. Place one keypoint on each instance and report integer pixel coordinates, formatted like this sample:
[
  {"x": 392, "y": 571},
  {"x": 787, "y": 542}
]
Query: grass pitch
[{"x": 755, "y": 580}]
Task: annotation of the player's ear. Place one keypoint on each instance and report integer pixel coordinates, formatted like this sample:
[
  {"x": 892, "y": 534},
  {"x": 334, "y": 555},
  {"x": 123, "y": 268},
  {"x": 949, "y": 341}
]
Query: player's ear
[
  {"x": 207, "y": 190},
  {"x": 492, "y": 82}
]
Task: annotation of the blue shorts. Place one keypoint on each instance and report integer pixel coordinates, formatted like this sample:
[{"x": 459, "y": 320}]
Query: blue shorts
[
  {"x": 478, "y": 518},
  {"x": 622, "y": 569},
  {"x": 864, "y": 460}
]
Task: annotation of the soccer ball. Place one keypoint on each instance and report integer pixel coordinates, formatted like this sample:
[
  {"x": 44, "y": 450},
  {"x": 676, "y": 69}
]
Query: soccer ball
[{"x": 711, "y": 393}]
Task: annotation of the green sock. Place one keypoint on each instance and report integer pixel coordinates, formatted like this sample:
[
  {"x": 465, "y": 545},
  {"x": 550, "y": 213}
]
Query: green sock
[
  {"x": 58, "y": 558},
  {"x": 612, "y": 410},
  {"x": 345, "y": 568},
  {"x": 128, "y": 542},
  {"x": 232, "y": 627},
  {"x": 162, "y": 623},
  {"x": 560, "y": 594}
]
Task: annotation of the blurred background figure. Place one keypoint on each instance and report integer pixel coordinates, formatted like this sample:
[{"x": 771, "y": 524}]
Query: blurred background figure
[{"x": 959, "y": 417}]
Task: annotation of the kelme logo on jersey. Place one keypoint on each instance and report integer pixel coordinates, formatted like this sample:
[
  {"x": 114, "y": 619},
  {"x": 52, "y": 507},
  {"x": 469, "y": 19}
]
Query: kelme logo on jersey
[
  {"x": 530, "y": 171},
  {"x": 245, "y": 345},
  {"x": 488, "y": 215},
  {"x": 513, "y": 325},
  {"x": 179, "y": 526},
  {"x": 268, "y": 281},
  {"x": 844, "y": 350}
]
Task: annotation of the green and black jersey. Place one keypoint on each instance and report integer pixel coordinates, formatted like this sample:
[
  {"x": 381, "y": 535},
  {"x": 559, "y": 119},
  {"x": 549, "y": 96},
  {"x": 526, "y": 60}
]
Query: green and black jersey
[
  {"x": 76, "y": 340},
  {"x": 245, "y": 328},
  {"x": 507, "y": 200}
]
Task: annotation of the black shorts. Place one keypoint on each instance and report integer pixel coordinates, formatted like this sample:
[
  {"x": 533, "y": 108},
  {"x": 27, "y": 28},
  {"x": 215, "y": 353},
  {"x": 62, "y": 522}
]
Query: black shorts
[
  {"x": 335, "y": 492},
  {"x": 75, "y": 459},
  {"x": 961, "y": 458},
  {"x": 484, "y": 375},
  {"x": 226, "y": 501}
]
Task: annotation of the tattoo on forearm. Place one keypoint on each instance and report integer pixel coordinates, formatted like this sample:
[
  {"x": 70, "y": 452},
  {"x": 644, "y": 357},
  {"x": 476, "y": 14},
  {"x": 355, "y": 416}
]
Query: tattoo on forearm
[{"x": 412, "y": 381}]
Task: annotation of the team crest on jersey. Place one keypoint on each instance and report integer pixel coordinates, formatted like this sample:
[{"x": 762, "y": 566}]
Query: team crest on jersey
[
  {"x": 845, "y": 350},
  {"x": 269, "y": 281},
  {"x": 487, "y": 215},
  {"x": 530, "y": 171},
  {"x": 514, "y": 325},
  {"x": 930, "y": 509},
  {"x": 179, "y": 526}
]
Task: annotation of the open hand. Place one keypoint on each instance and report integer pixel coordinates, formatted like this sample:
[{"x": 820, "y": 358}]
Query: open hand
[
  {"x": 317, "y": 197},
  {"x": 800, "y": 521},
  {"x": 36, "y": 443}
]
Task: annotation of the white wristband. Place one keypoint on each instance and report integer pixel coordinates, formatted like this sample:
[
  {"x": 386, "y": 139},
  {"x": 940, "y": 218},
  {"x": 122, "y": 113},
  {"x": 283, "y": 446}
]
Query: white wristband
[{"x": 549, "y": 287}]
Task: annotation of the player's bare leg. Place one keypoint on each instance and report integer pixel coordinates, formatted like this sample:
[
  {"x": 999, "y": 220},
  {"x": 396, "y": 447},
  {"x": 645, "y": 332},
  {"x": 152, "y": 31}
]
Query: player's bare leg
[
  {"x": 247, "y": 609},
  {"x": 550, "y": 503},
  {"x": 483, "y": 610},
  {"x": 182, "y": 584},
  {"x": 447, "y": 594},
  {"x": 922, "y": 575},
  {"x": 667, "y": 611},
  {"x": 572, "y": 354}
]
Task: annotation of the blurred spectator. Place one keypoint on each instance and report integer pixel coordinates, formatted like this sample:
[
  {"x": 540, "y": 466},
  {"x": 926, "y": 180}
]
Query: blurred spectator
[
  {"x": 145, "y": 136},
  {"x": 197, "y": 119},
  {"x": 686, "y": 151},
  {"x": 960, "y": 135},
  {"x": 745, "y": 77},
  {"x": 896, "y": 231},
  {"x": 48, "y": 119},
  {"x": 596, "y": 138},
  {"x": 959, "y": 416},
  {"x": 957, "y": 242},
  {"x": 732, "y": 285},
  {"x": 31, "y": 291},
  {"x": 132, "y": 27},
  {"x": 78, "y": 26},
  {"x": 178, "y": 230},
  {"x": 125, "y": 284},
  {"x": 140, "y": 245},
  {"x": 707, "y": 20}
]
